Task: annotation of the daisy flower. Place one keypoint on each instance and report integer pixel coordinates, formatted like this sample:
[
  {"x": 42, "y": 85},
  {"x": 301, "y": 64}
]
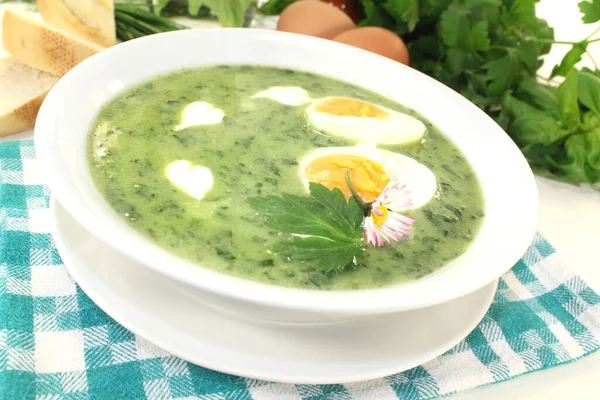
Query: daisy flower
[{"x": 383, "y": 225}]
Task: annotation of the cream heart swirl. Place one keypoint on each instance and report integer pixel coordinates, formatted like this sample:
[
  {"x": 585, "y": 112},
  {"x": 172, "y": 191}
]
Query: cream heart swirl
[
  {"x": 200, "y": 113},
  {"x": 193, "y": 180}
]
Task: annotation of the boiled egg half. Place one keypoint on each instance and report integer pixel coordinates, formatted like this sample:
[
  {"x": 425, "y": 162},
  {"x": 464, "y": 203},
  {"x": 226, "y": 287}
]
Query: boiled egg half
[
  {"x": 370, "y": 171},
  {"x": 363, "y": 122}
]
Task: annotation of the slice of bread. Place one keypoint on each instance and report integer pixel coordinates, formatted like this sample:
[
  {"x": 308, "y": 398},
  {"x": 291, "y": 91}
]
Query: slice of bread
[
  {"x": 89, "y": 19},
  {"x": 16, "y": 7},
  {"x": 42, "y": 47},
  {"x": 22, "y": 91}
]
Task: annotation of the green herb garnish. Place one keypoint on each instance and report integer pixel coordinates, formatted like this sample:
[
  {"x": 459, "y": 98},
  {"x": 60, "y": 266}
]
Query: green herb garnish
[{"x": 323, "y": 227}]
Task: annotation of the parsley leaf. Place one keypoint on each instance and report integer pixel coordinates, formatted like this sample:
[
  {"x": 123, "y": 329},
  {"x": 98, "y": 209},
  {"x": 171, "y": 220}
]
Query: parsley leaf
[
  {"x": 325, "y": 227},
  {"x": 529, "y": 51},
  {"x": 593, "y": 155},
  {"x": 403, "y": 10},
  {"x": 581, "y": 159},
  {"x": 229, "y": 12},
  {"x": 478, "y": 37},
  {"x": 572, "y": 57},
  {"x": 567, "y": 100},
  {"x": 502, "y": 73},
  {"x": 590, "y": 11},
  {"x": 541, "y": 96},
  {"x": 589, "y": 91},
  {"x": 330, "y": 255},
  {"x": 537, "y": 128},
  {"x": 532, "y": 126},
  {"x": 455, "y": 61},
  {"x": 344, "y": 213},
  {"x": 454, "y": 28}
]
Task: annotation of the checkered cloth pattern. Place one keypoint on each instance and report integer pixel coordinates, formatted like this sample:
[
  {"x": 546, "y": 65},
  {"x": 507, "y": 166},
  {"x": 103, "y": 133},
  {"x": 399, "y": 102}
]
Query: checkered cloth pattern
[{"x": 55, "y": 343}]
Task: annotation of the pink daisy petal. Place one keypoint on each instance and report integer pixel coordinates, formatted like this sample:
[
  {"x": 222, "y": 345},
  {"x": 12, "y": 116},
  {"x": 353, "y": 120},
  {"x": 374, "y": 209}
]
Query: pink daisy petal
[{"x": 395, "y": 226}]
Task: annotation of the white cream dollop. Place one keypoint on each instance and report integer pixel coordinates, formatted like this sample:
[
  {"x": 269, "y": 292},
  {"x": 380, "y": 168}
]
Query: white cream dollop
[
  {"x": 195, "y": 180},
  {"x": 288, "y": 95},
  {"x": 200, "y": 113}
]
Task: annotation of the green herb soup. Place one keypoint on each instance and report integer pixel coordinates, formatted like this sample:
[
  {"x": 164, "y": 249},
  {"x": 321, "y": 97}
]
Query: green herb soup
[{"x": 255, "y": 151}]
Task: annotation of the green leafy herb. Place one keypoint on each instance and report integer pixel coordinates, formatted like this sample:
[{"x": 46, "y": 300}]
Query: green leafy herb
[
  {"x": 478, "y": 37},
  {"x": 563, "y": 144},
  {"x": 324, "y": 227},
  {"x": 330, "y": 255},
  {"x": 589, "y": 91},
  {"x": 572, "y": 57},
  {"x": 158, "y": 5},
  {"x": 403, "y": 10},
  {"x": 183, "y": 8},
  {"x": 573, "y": 164},
  {"x": 489, "y": 51},
  {"x": 454, "y": 27},
  {"x": 194, "y": 6},
  {"x": 502, "y": 73},
  {"x": 568, "y": 100},
  {"x": 590, "y": 11},
  {"x": 542, "y": 97},
  {"x": 230, "y": 13}
]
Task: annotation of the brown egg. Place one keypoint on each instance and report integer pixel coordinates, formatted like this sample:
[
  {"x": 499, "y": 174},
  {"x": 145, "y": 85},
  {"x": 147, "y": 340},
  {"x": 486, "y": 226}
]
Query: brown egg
[
  {"x": 377, "y": 40},
  {"x": 313, "y": 18}
]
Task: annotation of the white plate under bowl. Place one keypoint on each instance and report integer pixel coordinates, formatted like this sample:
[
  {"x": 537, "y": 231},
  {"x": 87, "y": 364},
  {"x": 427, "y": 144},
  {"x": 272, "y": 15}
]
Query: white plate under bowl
[
  {"x": 64, "y": 121},
  {"x": 156, "y": 309}
]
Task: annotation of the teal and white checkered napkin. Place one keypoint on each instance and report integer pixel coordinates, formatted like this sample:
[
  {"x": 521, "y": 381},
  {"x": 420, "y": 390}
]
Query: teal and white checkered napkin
[{"x": 56, "y": 344}]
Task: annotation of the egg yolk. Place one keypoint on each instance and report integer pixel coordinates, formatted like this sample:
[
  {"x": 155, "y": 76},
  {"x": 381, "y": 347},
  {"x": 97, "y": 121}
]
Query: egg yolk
[
  {"x": 348, "y": 107},
  {"x": 368, "y": 177}
]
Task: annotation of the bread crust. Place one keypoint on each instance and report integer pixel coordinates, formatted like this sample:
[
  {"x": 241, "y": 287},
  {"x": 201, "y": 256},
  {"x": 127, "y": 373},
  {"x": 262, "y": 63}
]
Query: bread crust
[
  {"x": 42, "y": 47},
  {"x": 23, "y": 117},
  {"x": 58, "y": 15}
]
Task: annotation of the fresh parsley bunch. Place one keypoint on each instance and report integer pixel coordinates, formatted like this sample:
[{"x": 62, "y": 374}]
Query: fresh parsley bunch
[{"x": 489, "y": 51}]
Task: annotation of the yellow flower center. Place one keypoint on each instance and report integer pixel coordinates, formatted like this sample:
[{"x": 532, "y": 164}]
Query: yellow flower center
[{"x": 379, "y": 219}]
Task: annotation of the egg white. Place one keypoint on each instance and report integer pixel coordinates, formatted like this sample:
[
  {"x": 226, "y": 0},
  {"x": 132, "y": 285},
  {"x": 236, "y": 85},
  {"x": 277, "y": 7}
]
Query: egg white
[
  {"x": 419, "y": 179},
  {"x": 396, "y": 128},
  {"x": 200, "y": 113},
  {"x": 288, "y": 95}
]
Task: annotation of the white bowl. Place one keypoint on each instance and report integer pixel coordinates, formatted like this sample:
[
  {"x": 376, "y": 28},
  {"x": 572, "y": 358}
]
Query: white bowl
[{"x": 511, "y": 204}]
